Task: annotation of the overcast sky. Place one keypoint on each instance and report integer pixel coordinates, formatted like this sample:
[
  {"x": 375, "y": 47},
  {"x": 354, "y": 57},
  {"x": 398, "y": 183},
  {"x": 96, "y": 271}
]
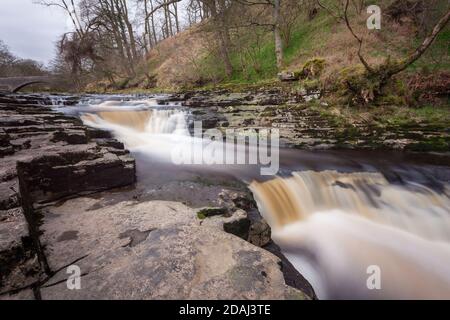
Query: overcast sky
[{"x": 31, "y": 30}]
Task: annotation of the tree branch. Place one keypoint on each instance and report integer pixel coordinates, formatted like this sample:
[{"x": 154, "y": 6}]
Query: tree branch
[
  {"x": 359, "y": 39},
  {"x": 424, "y": 46},
  {"x": 162, "y": 5},
  {"x": 330, "y": 12}
]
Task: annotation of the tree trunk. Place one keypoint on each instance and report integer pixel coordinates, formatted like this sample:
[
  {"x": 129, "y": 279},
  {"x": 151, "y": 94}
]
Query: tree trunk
[
  {"x": 147, "y": 37},
  {"x": 224, "y": 45},
  {"x": 152, "y": 20},
  {"x": 175, "y": 14},
  {"x": 129, "y": 29},
  {"x": 218, "y": 14},
  {"x": 277, "y": 34},
  {"x": 166, "y": 19}
]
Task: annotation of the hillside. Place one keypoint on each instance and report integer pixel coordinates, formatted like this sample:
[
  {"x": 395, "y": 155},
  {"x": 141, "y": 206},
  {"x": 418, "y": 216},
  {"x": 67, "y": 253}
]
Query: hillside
[{"x": 189, "y": 60}]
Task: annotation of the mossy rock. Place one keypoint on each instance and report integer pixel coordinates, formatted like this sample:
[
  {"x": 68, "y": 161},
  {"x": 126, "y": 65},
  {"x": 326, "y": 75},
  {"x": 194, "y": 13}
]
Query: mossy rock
[
  {"x": 210, "y": 212},
  {"x": 392, "y": 99},
  {"x": 357, "y": 85},
  {"x": 436, "y": 144},
  {"x": 312, "y": 85},
  {"x": 313, "y": 68},
  {"x": 363, "y": 86}
]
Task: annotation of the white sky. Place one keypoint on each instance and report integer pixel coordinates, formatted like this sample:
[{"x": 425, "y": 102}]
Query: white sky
[{"x": 31, "y": 30}]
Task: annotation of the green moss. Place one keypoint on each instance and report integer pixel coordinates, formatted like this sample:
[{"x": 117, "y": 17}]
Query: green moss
[
  {"x": 311, "y": 85},
  {"x": 392, "y": 99},
  {"x": 313, "y": 68},
  {"x": 210, "y": 212},
  {"x": 201, "y": 216},
  {"x": 437, "y": 144}
]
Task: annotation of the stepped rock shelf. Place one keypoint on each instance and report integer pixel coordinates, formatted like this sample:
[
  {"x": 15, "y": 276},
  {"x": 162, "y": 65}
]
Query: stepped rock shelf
[{"x": 69, "y": 195}]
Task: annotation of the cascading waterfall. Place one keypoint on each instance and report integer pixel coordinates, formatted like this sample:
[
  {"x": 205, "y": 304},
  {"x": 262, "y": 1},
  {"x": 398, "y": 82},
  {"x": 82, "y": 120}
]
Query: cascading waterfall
[
  {"x": 143, "y": 121},
  {"x": 334, "y": 226},
  {"x": 167, "y": 122},
  {"x": 153, "y": 132}
]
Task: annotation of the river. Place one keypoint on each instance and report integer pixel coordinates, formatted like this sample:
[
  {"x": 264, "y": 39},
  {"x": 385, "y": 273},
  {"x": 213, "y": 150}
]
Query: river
[{"x": 355, "y": 224}]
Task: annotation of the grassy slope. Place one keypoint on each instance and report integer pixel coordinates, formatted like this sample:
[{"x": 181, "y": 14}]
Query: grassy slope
[{"x": 186, "y": 60}]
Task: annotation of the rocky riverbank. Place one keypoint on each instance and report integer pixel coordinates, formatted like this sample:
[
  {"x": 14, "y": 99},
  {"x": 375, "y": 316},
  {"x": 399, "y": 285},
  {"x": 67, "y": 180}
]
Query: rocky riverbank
[
  {"x": 70, "y": 197},
  {"x": 46, "y": 157},
  {"x": 309, "y": 121}
]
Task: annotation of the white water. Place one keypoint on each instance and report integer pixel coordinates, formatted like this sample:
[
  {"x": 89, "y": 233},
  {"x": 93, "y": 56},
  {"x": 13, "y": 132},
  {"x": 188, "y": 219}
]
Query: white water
[
  {"x": 331, "y": 226},
  {"x": 163, "y": 134},
  {"x": 152, "y": 132},
  {"x": 334, "y": 226}
]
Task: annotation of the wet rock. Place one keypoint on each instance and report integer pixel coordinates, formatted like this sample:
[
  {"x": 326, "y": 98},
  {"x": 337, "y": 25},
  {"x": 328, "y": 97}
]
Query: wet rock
[
  {"x": 238, "y": 224},
  {"x": 135, "y": 235},
  {"x": 110, "y": 143},
  {"x": 6, "y": 151},
  {"x": 98, "y": 134},
  {"x": 210, "y": 123},
  {"x": 291, "y": 275},
  {"x": 259, "y": 233},
  {"x": 70, "y": 136},
  {"x": 230, "y": 99},
  {"x": 124, "y": 247}
]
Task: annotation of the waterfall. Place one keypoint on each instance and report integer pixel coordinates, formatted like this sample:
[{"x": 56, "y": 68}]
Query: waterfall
[
  {"x": 334, "y": 226},
  {"x": 168, "y": 122},
  {"x": 144, "y": 121},
  {"x": 152, "y": 132}
]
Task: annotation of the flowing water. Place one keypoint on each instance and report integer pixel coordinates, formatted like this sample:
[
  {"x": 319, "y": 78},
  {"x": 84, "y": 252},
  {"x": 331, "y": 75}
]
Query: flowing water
[{"x": 356, "y": 225}]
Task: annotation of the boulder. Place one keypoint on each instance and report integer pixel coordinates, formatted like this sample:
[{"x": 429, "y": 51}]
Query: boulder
[
  {"x": 259, "y": 233},
  {"x": 153, "y": 250},
  {"x": 288, "y": 76},
  {"x": 210, "y": 212}
]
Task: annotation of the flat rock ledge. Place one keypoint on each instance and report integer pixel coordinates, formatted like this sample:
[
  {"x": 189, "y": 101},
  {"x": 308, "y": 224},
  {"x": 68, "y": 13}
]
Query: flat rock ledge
[
  {"x": 154, "y": 250},
  {"x": 57, "y": 157}
]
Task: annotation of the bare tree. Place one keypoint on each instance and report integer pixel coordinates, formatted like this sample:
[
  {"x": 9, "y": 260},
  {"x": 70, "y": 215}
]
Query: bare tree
[{"x": 277, "y": 33}]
